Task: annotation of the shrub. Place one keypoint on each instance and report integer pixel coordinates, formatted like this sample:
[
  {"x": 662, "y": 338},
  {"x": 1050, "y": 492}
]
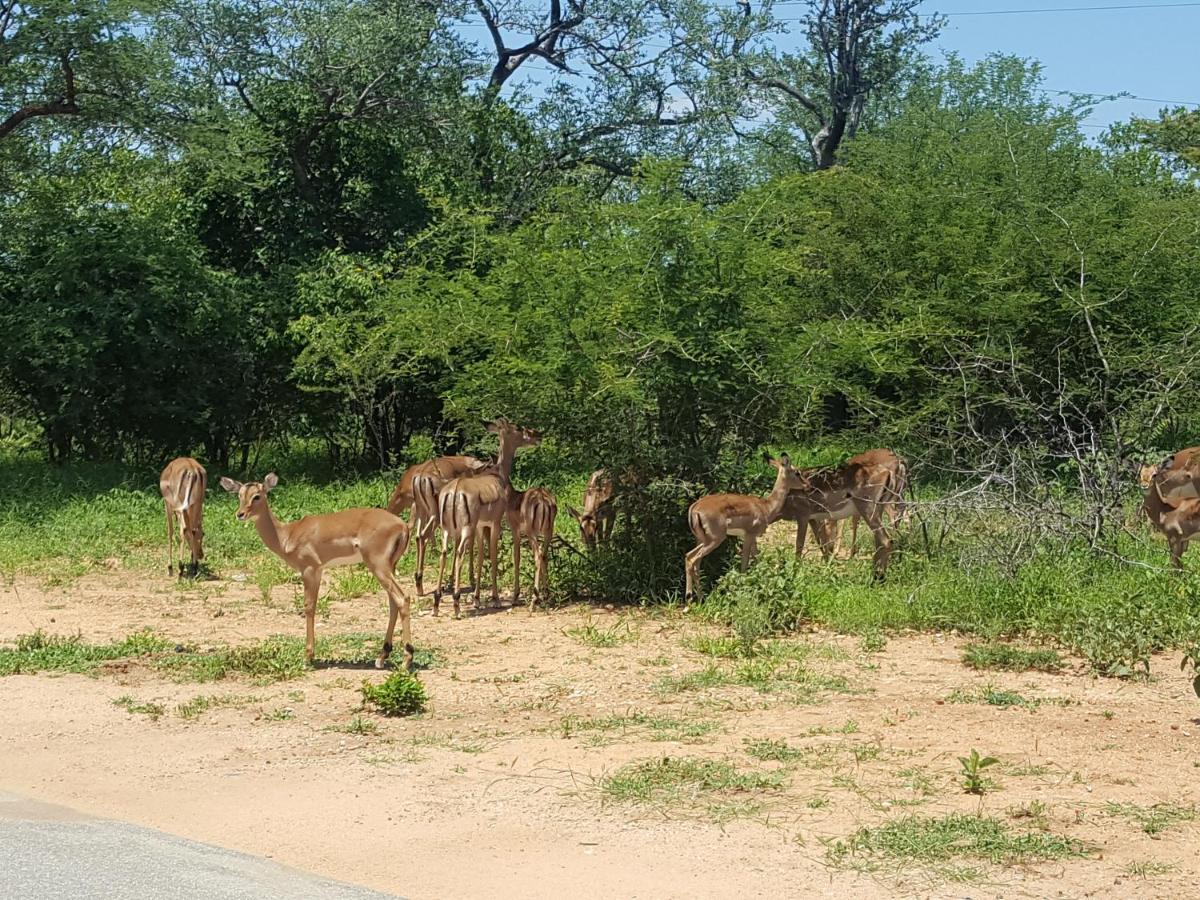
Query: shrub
[{"x": 400, "y": 694}]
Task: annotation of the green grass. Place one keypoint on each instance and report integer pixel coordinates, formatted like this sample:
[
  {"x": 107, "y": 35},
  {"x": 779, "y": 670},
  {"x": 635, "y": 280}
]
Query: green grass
[
  {"x": 607, "y": 729},
  {"x": 202, "y": 703},
  {"x": 944, "y": 844},
  {"x": 1153, "y": 819},
  {"x": 779, "y": 673},
  {"x": 774, "y": 751},
  {"x": 990, "y": 695},
  {"x": 357, "y": 725},
  {"x": 1146, "y": 869},
  {"x": 1011, "y": 659},
  {"x": 685, "y": 782},
  {"x": 400, "y": 694},
  {"x": 41, "y": 652},
  {"x": 591, "y": 635}
]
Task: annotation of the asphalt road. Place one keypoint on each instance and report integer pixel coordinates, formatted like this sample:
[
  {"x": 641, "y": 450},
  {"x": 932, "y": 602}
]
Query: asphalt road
[{"x": 50, "y": 852}]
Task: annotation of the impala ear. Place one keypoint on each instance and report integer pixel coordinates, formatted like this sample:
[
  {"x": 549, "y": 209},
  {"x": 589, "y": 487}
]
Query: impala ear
[
  {"x": 270, "y": 481},
  {"x": 785, "y": 460},
  {"x": 766, "y": 456},
  {"x": 574, "y": 513},
  {"x": 494, "y": 427},
  {"x": 230, "y": 485}
]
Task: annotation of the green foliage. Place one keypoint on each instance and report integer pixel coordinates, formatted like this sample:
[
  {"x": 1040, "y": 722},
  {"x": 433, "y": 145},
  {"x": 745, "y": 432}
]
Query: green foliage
[
  {"x": 400, "y": 694},
  {"x": 682, "y": 781},
  {"x": 1010, "y": 659},
  {"x": 974, "y": 781},
  {"x": 1153, "y": 819}
]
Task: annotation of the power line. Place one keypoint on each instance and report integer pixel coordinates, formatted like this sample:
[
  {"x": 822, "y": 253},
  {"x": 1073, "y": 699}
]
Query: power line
[
  {"x": 1107, "y": 98},
  {"x": 1046, "y": 9}
]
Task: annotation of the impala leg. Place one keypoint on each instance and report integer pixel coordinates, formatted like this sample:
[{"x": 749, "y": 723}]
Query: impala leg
[
  {"x": 312, "y": 587},
  {"x": 398, "y": 606},
  {"x": 170, "y": 540},
  {"x": 465, "y": 540},
  {"x": 691, "y": 568},
  {"x": 883, "y": 546},
  {"x": 422, "y": 541},
  {"x": 747, "y": 548},
  {"x": 801, "y": 534},
  {"x": 854, "y": 520},
  {"x": 515, "y": 528},
  {"x": 441, "y": 580},
  {"x": 494, "y": 554},
  {"x": 1178, "y": 546}
]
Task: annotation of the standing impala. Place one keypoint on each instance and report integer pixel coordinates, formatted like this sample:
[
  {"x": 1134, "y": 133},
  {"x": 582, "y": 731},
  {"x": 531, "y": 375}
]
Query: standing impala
[
  {"x": 419, "y": 488},
  {"x": 536, "y": 510},
  {"x": 308, "y": 545},
  {"x": 183, "y": 483},
  {"x": 481, "y": 501},
  {"x": 716, "y": 516},
  {"x": 866, "y": 485}
]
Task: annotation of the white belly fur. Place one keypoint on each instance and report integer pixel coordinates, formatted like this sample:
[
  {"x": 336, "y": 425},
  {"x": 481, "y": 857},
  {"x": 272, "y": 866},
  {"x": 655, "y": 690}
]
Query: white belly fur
[{"x": 347, "y": 560}]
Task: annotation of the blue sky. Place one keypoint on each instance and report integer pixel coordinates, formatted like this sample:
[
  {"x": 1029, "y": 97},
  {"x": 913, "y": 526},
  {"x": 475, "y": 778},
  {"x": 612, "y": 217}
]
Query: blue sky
[{"x": 1149, "y": 52}]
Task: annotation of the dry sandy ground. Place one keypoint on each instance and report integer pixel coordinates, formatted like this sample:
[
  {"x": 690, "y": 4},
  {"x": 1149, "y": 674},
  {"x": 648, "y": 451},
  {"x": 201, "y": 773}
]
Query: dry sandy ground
[{"x": 488, "y": 794}]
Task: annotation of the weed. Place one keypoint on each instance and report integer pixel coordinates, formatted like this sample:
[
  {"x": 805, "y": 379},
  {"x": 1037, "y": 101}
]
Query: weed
[
  {"x": 280, "y": 714},
  {"x": 972, "y": 769},
  {"x": 351, "y": 582},
  {"x": 993, "y": 696},
  {"x": 592, "y": 636},
  {"x": 656, "y": 728},
  {"x": 200, "y": 704},
  {"x": 937, "y": 842},
  {"x": 400, "y": 694},
  {"x": 683, "y": 781},
  {"x": 1035, "y": 811},
  {"x": 323, "y": 606},
  {"x": 1146, "y": 869},
  {"x": 153, "y": 710},
  {"x": 873, "y": 641},
  {"x": 773, "y": 751},
  {"x": 357, "y": 725},
  {"x": 1010, "y": 659},
  {"x": 1153, "y": 819}
]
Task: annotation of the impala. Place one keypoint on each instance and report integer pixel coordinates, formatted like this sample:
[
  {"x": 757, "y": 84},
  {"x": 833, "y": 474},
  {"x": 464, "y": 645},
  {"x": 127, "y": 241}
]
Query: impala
[
  {"x": 309, "y": 545},
  {"x": 716, "y": 516},
  {"x": 536, "y": 510},
  {"x": 419, "y": 488},
  {"x": 596, "y": 520},
  {"x": 1177, "y": 519},
  {"x": 183, "y": 483},
  {"x": 865, "y": 485},
  {"x": 1177, "y": 477},
  {"x": 470, "y": 505},
  {"x": 893, "y": 508}
]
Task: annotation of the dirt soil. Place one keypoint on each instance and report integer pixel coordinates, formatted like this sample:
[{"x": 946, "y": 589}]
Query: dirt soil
[{"x": 499, "y": 791}]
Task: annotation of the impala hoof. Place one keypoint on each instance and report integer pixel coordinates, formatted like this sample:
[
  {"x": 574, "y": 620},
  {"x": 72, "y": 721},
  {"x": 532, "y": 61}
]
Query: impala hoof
[{"x": 380, "y": 664}]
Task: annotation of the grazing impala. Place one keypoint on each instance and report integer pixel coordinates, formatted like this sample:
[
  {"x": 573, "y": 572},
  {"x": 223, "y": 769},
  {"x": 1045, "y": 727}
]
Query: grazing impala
[
  {"x": 893, "y": 507},
  {"x": 469, "y": 505},
  {"x": 716, "y": 516},
  {"x": 308, "y": 545},
  {"x": 1177, "y": 518},
  {"x": 419, "y": 488},
  {"x": 536, "y": 510},
  {"x": 183, "y": 483},
  {"x": 865, "y": 485},
  {"x": 596, "y": 520}
]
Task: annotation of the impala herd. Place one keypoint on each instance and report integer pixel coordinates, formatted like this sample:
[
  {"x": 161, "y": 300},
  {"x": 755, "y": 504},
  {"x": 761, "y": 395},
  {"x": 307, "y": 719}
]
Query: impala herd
[{"x": 469, "y": 500}]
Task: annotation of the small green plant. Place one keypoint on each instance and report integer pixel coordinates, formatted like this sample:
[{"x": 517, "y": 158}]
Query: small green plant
[
  {"x": 357, "y": 725},
  {"x": 194, "y": 708},
  {"x": 153, "y": 710},
  {"x": 873, "y": 641},
  {"x": 684, "y": 781},
  {"x": 1010, "y": 659},
  {"x": 773, "y": 751},
  {"x": 1146, "y": 869},
  {"x": 400, "y": 694},
  {"x": 280, "y": 714},
  {"x": 592, "y": 636},
  {"x": 972, "y": 771},
  {"x": 41, "y": 652},
  {"x": 601, "y": 731}
]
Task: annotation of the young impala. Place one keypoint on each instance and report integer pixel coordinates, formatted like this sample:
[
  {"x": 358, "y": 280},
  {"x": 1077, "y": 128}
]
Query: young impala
[
  {"x": 309, "y": 545},
  {"x": 182, "y": 484},
  {"x": 598, "y": 516},
  {"x": 716, "y": 516},
  {"x": 536, "y": 510}
]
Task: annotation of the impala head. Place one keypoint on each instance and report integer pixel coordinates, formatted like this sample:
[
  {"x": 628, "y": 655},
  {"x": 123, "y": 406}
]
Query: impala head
[
  {"x": 518, "y": 436},
  {"x": 589, "y": 528},
  {"x": 1177, "y": 484},
  {"x": 792, "y": 477},
  {"x": 252, "y": 496},
  {"x": 1146, "y": 474}
]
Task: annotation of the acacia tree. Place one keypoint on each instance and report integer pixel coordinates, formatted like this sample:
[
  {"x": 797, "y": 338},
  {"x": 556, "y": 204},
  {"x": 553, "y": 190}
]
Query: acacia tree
[
  {"x": 855, "y": 51},
  {"x": 66, "y": 59}
]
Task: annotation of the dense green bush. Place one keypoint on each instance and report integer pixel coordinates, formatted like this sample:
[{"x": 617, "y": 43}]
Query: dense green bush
[{"x": 400, "y": 694}]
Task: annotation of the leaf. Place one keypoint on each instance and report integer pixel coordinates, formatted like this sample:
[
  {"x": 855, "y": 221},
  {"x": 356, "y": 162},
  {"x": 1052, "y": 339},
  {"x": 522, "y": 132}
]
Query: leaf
[{"x": 1196, "y": 685}]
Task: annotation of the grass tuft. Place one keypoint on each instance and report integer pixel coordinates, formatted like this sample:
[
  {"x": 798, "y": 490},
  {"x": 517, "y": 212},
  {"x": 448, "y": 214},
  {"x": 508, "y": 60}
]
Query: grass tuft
[
  {"x": 400, "y": 694},
  {"x": 685, "y": 781},
  {"x": 1007, "y": 658},
  {"x": 605, "y": 730},
  {"x": 1153, "y": 819},
  {"x": 41, "y": 652}
]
